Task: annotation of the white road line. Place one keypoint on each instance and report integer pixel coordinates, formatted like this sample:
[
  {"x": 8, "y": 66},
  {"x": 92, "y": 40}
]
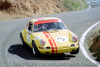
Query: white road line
[
  {"x": 82, "y": 44},
  {"x": 98, "y": 65},
  {"x": 89, "y": 7}
]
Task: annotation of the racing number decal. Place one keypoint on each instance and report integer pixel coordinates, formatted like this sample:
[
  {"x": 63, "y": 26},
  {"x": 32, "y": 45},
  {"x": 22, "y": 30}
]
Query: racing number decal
[{"x": 61, "y": 39}]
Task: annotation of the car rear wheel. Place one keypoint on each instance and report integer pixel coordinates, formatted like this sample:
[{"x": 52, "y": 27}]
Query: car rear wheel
[
  {"x": 35, "y": 50},
  {"x": 75, "y": 52},
  {"x": 23, "y": 43}
]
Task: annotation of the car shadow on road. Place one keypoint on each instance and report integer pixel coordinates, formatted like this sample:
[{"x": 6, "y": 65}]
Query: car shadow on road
[{"x": 27, "y": 54}]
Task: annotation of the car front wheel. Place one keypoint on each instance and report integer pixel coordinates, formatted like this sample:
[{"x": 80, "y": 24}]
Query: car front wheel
[
  {"x": 23, "y": 43},
  {"x": 35, "y": 50}
]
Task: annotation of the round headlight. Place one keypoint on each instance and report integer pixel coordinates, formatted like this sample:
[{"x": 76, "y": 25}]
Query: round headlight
[
  {"x": 74, "y": 38},
  {"x": 42, "y": 42}
]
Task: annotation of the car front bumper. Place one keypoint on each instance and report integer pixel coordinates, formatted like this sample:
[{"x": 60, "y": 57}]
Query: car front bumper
[{"x": 59, "y": 50}]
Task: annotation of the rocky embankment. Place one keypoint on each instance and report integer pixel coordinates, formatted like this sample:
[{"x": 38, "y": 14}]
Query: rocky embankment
[
  {"x": 39, "y": 7},
  {"x": 93, "y": 43}
]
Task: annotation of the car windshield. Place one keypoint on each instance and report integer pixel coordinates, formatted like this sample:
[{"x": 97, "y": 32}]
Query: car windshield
[{"x": 48, "y": 26}]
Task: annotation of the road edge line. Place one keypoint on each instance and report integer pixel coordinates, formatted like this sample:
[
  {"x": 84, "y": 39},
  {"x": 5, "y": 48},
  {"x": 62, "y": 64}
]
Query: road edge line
[
  {"x": 82, "y": 39},
  {"x": 89, "y": 7}
]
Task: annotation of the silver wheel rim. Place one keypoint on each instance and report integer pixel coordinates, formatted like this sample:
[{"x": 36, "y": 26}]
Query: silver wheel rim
[
  {"x": 34, "y": 51},
  {"x": 21, "y": 43}
]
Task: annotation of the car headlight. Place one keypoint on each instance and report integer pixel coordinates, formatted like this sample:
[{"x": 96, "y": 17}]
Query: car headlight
[
  {"x": 74, "y": 38},
  {"x": 42, "y": 42}
]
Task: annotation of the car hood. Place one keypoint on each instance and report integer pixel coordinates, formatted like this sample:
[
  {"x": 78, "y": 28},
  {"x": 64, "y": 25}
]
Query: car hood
[{"x": 59, "y": 38}]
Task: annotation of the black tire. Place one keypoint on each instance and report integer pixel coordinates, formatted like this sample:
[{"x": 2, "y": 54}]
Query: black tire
[
  {"x": 75, "y": 52},
  {"x": 34, "y": 49},
  {"x": 23, "y": 43}
]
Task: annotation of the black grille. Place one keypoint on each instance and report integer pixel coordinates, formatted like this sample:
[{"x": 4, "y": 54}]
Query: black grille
[{"x": 47, "y": 47}]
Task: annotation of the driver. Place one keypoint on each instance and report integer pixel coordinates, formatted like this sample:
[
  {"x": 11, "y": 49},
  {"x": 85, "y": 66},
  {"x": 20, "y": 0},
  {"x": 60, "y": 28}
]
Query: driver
[{"x": 40, "y": 27}]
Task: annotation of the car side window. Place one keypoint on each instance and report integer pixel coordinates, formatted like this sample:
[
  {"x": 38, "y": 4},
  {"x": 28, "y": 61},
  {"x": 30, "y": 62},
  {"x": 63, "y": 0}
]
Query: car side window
[{"x": 30, "y": 26}]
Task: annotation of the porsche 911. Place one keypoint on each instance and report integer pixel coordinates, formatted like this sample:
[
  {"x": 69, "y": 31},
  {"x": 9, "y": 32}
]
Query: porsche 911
[{"x": 49, "y": 35}]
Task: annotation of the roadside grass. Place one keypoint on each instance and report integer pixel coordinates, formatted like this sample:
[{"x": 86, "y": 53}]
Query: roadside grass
[{"x": 73, "y": 5}]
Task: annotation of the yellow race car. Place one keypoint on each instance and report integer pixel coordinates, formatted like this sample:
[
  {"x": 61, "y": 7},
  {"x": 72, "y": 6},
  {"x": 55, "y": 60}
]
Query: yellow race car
[{"x": 49, "y": 35}]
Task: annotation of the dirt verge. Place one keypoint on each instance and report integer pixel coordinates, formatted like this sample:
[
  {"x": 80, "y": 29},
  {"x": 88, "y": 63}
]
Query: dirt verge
[{"x": 93, "y": 42}]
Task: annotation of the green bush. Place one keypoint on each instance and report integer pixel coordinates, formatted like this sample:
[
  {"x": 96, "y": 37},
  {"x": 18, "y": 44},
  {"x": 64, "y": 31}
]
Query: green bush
[{"x": 75, "y": 4}]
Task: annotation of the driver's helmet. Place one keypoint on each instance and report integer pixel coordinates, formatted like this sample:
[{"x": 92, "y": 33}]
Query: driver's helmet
[{"x": 39, "y": 25}]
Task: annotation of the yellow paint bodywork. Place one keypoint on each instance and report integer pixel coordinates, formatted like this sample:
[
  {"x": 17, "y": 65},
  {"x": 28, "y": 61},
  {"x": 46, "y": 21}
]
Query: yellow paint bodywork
[{"x": 62, "y": 47}]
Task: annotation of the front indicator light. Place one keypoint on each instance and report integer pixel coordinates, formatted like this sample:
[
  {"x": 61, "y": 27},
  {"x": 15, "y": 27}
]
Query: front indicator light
[
  {"x": 72, "y": 45},
  {"x": 76, "y": 44},
  {"x": 42, "y": 47}
]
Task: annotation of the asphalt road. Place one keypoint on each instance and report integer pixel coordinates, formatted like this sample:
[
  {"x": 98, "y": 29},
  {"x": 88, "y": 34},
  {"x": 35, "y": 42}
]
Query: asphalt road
[{"x": 12, "y": 54}]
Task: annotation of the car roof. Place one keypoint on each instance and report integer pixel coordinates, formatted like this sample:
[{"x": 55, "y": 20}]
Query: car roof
[{"x": 45, "y": 18}]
